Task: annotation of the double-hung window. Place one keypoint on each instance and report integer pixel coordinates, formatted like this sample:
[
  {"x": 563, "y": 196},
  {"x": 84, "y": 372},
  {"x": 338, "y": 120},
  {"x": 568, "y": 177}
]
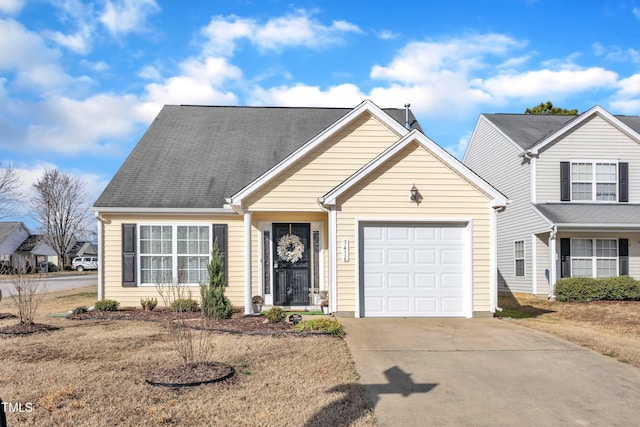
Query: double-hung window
[
  {"x": 594, "y": 257},
  {"x": 519, "y": 258},
  {"x": 594, "y": 181},
  {"x": 174, "y": 253}
]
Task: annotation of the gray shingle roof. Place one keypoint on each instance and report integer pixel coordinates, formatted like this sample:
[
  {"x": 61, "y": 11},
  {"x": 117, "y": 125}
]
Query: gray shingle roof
[
  {"x": 196, "y": 156},
  {"x": 592, "y": 213},
  {"x": 527, "y": 130}
]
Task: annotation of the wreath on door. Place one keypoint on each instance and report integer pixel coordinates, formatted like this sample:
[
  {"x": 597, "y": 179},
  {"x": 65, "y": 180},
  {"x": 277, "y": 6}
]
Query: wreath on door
[{"x": 290, "y": 248}]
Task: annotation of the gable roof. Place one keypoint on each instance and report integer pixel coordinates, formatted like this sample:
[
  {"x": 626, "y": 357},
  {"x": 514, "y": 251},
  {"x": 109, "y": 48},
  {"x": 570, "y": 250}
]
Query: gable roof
[
  {"x": 534, "y": 131},
  {"x": 330, "y": 199},
  {"x": 193, "y": 157},
  {"x": 6, "y": 228}
]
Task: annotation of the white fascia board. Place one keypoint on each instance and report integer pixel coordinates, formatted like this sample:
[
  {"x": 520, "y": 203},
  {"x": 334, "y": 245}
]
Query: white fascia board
[
  {"x": 596, "y": 110},
  {"x": 599, "y": 227},
  {"x": 195, "y": 211},
  {"x": 365, "y": 106},
  {"x": 499, "y": 199}
]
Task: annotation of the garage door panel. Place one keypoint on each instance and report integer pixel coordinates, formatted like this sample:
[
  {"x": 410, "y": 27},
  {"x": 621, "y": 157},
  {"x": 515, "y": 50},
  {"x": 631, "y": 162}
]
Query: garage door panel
[{"x": 413, "y": 270}]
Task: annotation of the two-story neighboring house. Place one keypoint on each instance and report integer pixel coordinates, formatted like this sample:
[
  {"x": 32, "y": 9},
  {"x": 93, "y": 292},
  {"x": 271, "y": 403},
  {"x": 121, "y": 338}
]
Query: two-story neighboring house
[{"x": 573, "y": 182}]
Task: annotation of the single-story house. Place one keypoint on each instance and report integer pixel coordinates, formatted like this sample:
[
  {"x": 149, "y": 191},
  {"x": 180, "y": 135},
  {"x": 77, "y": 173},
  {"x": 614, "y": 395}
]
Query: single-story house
[
  {"x": 12, "y": 235},
  {"x": 356, "y": 202},
  {"x": 35, "y": 253}
]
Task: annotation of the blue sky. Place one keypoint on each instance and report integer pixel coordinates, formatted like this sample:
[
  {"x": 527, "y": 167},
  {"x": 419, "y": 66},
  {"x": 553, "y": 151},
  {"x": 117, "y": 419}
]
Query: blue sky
[{"x": 80, "y": 81}]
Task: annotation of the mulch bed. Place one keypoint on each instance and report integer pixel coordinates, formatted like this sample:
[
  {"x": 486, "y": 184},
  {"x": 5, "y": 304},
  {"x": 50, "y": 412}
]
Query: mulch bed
[
  {"x": 238, "y": 323},
  {"x": 192, "y": 375},
  {"x": 26, "y": 329}
]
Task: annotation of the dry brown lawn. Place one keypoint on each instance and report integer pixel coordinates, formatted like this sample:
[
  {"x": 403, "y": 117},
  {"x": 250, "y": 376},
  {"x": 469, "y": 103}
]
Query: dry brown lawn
[
  {"x": 610, "y": 328},
  {"x": 92, "y": 373}
]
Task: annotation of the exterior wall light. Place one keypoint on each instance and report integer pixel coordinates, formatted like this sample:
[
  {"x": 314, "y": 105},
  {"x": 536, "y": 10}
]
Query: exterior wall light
[{"x": 415, "y": 197}]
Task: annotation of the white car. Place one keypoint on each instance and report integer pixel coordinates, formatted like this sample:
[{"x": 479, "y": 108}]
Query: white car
[{"x": 85, "y": 263}]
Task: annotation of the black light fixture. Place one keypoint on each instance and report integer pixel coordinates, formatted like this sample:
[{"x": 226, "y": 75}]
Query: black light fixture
[{"x": 415, "y": 194}]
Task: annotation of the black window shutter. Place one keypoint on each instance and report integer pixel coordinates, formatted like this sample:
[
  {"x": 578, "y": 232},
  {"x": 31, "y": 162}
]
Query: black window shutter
[
  {"x": 129, "y": 255},
  {"x": 623, "y": 182},
  {"x": 220, "y": 236},
  {"x": 565, "y": 257},
  {"x": 623, "y": 257},
  {"x": 565, "y": 181}
]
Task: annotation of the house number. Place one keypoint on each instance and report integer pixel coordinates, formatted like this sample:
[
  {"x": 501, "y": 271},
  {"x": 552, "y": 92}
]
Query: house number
[{"x": 345, "y": 250}]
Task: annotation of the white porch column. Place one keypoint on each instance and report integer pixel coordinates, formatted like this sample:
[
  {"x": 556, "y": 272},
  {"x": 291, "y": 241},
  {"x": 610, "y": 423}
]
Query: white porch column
[
  {"x": 493, "y": 276},
  {"x": 247, "y": 262},
  {"x": 100, "y": 227},
  {"x": 552, "y": 262},
  {"x": 333, "y": 265}
]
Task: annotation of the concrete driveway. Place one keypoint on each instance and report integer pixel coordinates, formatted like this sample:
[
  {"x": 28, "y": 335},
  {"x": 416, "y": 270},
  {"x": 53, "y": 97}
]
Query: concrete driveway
[{"x": 486, "y": 372}]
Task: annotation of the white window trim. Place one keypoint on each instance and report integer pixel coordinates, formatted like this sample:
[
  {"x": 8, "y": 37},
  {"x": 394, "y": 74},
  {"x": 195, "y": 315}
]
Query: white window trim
[
  {"x": 593, "y": 179},
  {"x": 594, "y": 258},
  {"x": 524, "y": 258},
  {"x": 174, "y": 248}
]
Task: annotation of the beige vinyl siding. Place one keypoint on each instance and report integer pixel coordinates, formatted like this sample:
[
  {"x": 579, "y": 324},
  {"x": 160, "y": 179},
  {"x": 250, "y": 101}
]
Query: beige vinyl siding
[
  {"x": 112, "y": 256},
  {"x": 384, "y": 194},
  {"x": 298, "y": 187},
  {"x": 596, "y": 139},
  {"x": 496, "y": 159}
]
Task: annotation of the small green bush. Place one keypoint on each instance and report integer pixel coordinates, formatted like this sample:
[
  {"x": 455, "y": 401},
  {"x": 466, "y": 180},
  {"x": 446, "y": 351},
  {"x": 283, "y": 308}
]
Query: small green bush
[
  {"x": 275, "y": 315},
  {"x": 106, "y": 305},
  {"x": 323, "y": 324},
  {"x": 585, "y": 289},
  {"x": 148, "y": 304},
  {"x": 79, "y": 310},
  {"x": 183, "y": 305}
]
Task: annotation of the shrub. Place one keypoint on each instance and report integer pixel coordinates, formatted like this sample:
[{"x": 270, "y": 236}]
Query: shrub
[
  {"x": 323, "y": 324},
  {"x": 106, "y": 305},
  {"x": 79, "y": 310},
  {"x": 148, "y": 304},
  {"x": 585, "y": 289},
  {"x": 275, "y": 315},
  {"x": 214, "y": 303},
  {"x": 183, "y": 305}
]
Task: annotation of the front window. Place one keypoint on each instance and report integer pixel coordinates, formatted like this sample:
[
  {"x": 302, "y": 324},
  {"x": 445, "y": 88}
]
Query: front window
[
  {"x": 169, "y": 252},
  {"x": 594, "y": 181},
  {"x": 519, "y": 258},
  {"x": 594, "y": 257}
]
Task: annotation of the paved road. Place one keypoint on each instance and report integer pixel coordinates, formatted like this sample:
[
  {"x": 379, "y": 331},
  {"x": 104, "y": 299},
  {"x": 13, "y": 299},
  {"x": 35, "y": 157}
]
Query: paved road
[
  {"x": 57, "y": 283},
  {"x": 486, "y": 372}
]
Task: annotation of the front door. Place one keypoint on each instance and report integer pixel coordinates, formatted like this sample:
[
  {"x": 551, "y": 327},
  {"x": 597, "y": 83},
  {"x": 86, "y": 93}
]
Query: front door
[{"x": 291, "y": 273}]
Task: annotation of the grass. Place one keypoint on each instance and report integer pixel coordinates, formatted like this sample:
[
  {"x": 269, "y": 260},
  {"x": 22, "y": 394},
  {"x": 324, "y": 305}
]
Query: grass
[
  {"x": 92, "y": 371},
  {"x": 611, "y": 328}
]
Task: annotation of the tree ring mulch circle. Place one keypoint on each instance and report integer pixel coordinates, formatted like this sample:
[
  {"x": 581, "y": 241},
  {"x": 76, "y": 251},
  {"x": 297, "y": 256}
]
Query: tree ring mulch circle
[
  {"x": 191, "y": 375},
  {"x": 26, "y": 329}
]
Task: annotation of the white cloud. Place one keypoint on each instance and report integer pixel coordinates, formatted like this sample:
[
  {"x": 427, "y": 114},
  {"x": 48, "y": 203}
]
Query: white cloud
[
  {"x": 127, "y": 16},
  {"x": 387, "y": 35},
  {"x": 298, "y": 29},
  {"x": 80, "y": 42},
  {"x": 20, "y": 48},
  {"x": 11, "y": 7},
  {"x": 150, "y": 73},
  {"x": 300, "y": 95}
]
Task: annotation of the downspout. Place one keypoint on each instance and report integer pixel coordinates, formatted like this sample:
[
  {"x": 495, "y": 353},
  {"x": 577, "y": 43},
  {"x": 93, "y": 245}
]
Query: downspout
[
  {"x": 552, "y": 263},
  {"x": 494, "y": 259},
  {"x": 100, "y": 221}
]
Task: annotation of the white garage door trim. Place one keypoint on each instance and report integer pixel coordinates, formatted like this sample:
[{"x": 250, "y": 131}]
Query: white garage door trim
[{"x": 465, "y": 223}]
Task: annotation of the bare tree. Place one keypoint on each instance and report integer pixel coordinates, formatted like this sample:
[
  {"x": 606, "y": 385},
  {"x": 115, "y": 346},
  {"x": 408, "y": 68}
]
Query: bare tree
[
  {"x": 9, "y": 183},
  {"x": 60, "y": 206}
]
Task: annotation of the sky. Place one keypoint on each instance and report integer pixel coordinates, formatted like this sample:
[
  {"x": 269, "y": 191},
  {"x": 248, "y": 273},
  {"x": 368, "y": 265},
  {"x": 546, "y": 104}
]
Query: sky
[{"x": 80, "y": 81}]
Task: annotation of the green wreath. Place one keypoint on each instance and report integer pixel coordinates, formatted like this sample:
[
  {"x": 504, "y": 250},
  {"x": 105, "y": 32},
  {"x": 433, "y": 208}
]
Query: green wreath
[{"x": 290, "y": 248}]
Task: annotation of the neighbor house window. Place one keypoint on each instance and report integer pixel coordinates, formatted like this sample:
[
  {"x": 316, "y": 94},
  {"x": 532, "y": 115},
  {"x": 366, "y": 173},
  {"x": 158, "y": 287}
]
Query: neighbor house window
[
  {"x": 594, "y": 257},
  {"x": 174, "y": 253},
  {"x": 594, "y": 181},
  {"x": 519, "y": 258}
]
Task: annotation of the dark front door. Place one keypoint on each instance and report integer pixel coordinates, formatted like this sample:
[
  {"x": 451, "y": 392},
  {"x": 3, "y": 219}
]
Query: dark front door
[{"x": 291, "y": 273}]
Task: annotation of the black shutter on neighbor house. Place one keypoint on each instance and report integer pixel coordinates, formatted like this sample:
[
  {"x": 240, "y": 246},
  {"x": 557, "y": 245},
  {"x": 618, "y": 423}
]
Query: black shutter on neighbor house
[
  {"x": 623, "y": 257},
  {"x": 129, "y": 255},
  {"x": 220, "y": 236},
  {"x": 623, "y": 182},
  {"x": 565, "y": 257},
  {"x": 565, "y": 181}
]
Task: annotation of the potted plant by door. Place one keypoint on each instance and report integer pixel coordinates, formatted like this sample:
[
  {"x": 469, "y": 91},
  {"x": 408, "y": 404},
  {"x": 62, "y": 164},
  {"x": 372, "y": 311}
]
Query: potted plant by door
[
  {"x": 257, "y": 301},
  {"x": 324, "y": 303}
]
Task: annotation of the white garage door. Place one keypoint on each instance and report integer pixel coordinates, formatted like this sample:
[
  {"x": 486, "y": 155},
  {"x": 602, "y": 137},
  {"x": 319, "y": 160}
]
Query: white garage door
[{"x": 413, "y": 270}]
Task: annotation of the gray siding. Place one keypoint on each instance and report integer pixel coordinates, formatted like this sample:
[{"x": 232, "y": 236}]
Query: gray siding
[
  {"x": 496, "y": 159},
  {"x": 597, "y": 139}
]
